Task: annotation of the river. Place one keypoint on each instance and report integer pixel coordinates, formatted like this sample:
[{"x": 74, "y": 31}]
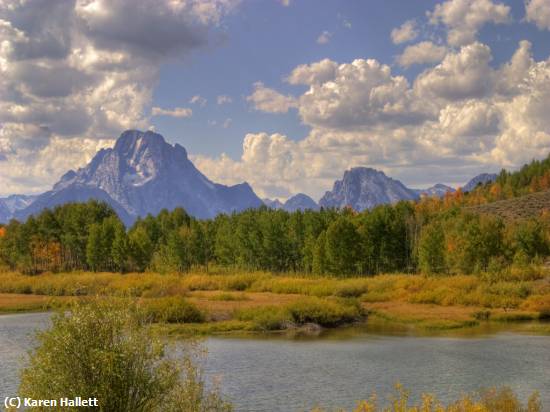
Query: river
[{"x": 295, "y": 374}]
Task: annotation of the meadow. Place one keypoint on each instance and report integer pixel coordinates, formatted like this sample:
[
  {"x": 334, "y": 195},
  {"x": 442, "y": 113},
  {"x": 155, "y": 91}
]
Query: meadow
[{"x": 223, "y": 301}]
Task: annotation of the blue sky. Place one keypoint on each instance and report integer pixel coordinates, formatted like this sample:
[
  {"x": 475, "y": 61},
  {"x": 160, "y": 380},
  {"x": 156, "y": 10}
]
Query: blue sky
[
  {"x": 264, "y": 41},
  {"x": 306, "y": 89}
]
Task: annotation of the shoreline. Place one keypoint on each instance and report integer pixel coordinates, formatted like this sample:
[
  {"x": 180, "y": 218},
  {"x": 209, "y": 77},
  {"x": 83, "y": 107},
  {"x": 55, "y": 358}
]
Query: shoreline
[{"x": 384, "y": 318}]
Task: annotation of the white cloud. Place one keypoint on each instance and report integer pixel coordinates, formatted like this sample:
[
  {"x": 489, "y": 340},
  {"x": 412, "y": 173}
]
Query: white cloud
[
  {"x": 82, "y": 73},
  {"x": 456, "y": 120},
  {"x": 199, "y": 100},
  {"x": 270, "y": 101},
  {"x": 324, "y": 37},
  {"x": 224, "y": 99},
  {"x": 227, "y": 122},
  {"x": 362, "y": 93},
  {"x": 421, "y": 53},
  {"x": 464, "y": 18},
  {"x": 538, "y": 12},
  {"x": 175, "y": 112},
  {"x": 461, "y": 75},
  {"x": 285, "y": 3},
  {"x": 407, "y": 32},
  {"x": 319, "y": 72}
]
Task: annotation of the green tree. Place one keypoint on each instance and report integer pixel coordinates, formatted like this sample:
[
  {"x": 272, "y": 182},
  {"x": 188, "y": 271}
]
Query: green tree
[
  {"x": 141, "y": 248},
  {"x": 94, "y": 248},
  {"x": 121, "y": 248},
  {"x": 432, "y": 249},
  {"x": 342, "y": 246},
  {"x": 319, "y": 261}
]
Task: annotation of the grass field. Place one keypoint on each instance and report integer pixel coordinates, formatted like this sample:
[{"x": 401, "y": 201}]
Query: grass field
[{"x": 221, "y": 302}]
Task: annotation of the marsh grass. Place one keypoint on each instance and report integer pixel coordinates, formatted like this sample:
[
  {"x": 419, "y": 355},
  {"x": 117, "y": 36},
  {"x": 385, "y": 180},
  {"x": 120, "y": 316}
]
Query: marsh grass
[
  {"x": 486, "y": 400},
  {"x": 320, "y": 311},
  {"x": 171, "y": 309},
  {"x": 520, "y": 297},
  {"x": 229, "y": 297}
]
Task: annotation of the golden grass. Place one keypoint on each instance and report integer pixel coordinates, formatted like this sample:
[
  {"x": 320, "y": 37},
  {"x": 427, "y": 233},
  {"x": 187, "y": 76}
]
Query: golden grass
[
  {"x": 10, "y": 303},
  {"x": 224, "y": 309},
  {"x": 427, "y": 302},
  {"x": 487, "y": 400}
]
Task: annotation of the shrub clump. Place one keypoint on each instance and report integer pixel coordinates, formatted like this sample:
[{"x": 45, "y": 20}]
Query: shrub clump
[
  {"x": 172, "y": 309},
  {"x": 266, "y": 318},
  {"x": 323, "y": 312},
  {"x": 106, "y": 351}
]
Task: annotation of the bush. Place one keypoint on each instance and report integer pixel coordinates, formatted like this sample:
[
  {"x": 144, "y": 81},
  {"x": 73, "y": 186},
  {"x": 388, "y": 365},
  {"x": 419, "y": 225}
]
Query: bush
[
  {"x": 266, "y": 318},
  {"x": 172, "y": 310},
  {"x": 102, "y": 350},
  {"x": 323, "y": 312}
]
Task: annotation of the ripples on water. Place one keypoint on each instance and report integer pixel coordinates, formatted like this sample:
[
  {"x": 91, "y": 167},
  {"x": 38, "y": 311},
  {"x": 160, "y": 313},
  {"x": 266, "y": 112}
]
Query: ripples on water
[
  {"x": 260, "y": 374},
  {"x": 16, "y": 335}
]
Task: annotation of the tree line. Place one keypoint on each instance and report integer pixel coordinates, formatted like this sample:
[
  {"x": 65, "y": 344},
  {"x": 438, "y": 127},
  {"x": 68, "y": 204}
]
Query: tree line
[{"x": 428, "y": 236}]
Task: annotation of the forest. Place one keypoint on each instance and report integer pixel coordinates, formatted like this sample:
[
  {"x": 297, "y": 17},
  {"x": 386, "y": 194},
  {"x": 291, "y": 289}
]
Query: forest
[{"x": 433, "y": 236}]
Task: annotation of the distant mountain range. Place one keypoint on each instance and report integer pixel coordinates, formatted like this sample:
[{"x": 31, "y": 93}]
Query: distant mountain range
[
  {"x": 294, "y": 203},
  {"x": 144, "y": 174},
  {"x": 12, "y": 204},
  {"x": 438, "y": 190},
  {"x": 364, "y": 188}
]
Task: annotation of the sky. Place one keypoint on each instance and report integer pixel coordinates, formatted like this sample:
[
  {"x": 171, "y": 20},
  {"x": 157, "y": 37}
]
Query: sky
[{"x": 283, "y": 94}]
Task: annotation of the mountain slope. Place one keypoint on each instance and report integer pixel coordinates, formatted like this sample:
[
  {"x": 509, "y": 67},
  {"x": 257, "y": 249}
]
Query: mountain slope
[
  {"x": 438, "y": 190},
  {"x": 144, "y": 174},
  {"x": 531, "y": 205},
  {"x": 300, "y": 202},
  {"x": 364, "y": 188},
  {"x": 11, "y": 204},
  {"x": 479, "y": 180},
  {"x": 272, "y": 204}
]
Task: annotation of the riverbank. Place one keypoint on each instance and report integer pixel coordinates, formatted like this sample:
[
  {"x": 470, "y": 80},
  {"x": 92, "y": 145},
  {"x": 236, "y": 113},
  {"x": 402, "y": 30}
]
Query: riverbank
[{"x": 221, "y": 303}]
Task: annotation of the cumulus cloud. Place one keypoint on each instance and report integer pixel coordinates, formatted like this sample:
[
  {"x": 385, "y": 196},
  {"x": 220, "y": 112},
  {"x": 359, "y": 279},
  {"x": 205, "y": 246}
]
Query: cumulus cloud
[
  {"x": 461, "y": 75},
  {"x": 175, "y": 112},
  {"x": 456, "y": 119},
  {"x": 362, "y": 93},
  {"x": 80, "y": 72},
  {"x": 538, "y": 12},
  {"x": 421, "y": 53},
  {"x": 319, "y": 72},
  {"x": 324, "y": 37},
  {"x": 405, "y": 33},
  {"x": 464, "y": 18},
  {"x": 269, "y": 100}
]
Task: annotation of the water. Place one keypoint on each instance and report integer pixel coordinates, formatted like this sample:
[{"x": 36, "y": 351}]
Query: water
[
  {"x": 275, "y": 374},
  {"x": 16, "y": 337}
]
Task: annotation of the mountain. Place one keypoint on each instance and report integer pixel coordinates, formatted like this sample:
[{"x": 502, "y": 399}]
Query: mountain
[
  {"x": 438, "y": 190},
  {"x": 272, "y": 204},
  {"x": 300, "y": 202},
  {"x": 11, "y": 204},
  {"x": 5, "y": 214},
  {"x": 364, "y": 188},
  {"x": 144, "y": 174},
  {"x": 479, "y": 179}
]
